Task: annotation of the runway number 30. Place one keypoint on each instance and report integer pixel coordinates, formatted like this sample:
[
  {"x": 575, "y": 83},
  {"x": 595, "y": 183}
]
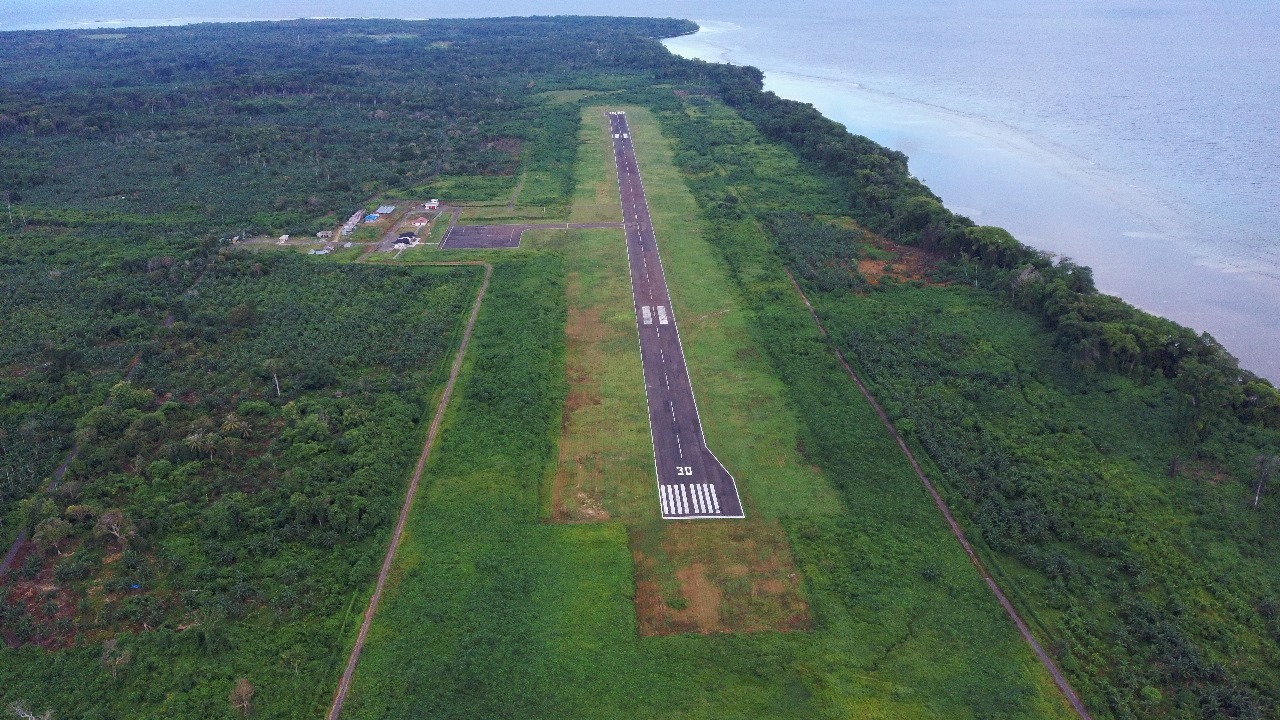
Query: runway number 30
[{"x": 685, "y": 470}]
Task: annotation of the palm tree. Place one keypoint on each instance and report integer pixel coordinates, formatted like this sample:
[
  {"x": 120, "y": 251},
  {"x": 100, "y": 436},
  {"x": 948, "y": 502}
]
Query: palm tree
[
  {"x": 201, "y": 443},
  {"x": 233, "y": 425}
]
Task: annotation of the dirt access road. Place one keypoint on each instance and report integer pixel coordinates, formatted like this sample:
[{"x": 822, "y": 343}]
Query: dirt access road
[
  {"x": 335, "y": 710},
  {"x": 1049, "y": 665}
]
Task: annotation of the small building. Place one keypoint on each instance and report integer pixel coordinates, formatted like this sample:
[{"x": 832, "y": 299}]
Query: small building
[
  {"x": 431, "y": 204},
  {"x": 408, "y": 236},
  {"x": 324, "y": 234},
  {"x": 371, "y": 217},
  {"x": 383, "y": 210},
  {"x": 420, "y": 221},
  {"x": 284, "y": 238}
]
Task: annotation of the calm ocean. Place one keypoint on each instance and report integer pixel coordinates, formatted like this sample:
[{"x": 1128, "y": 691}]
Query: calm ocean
[{"x": 1137, "y": 137}]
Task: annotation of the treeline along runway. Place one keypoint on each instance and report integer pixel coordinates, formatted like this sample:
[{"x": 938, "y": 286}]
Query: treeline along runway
[{"x": 691, "y": 481}]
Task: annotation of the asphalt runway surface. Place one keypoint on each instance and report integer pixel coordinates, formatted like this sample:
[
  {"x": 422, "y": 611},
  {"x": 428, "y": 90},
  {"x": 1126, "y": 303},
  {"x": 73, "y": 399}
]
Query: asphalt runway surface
[
  {"x": 476, "y": 237},
  {"x": 691, "y": 481}
]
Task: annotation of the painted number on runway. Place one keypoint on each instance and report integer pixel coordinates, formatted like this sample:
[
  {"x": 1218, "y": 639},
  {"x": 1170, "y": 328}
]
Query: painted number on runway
[
  {"x": 684, "y": 470},
  {"x": 662, "y": 315},
  {"x": 646, "y": 314}
]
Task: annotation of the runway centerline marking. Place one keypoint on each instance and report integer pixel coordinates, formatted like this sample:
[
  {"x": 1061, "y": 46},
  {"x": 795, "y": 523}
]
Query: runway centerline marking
[{"x": 715, "y": 495}]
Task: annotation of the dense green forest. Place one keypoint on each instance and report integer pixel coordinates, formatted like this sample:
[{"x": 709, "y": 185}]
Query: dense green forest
[
  {"x": 273, "y": 127},
  {"x": 239, "y": 426}
]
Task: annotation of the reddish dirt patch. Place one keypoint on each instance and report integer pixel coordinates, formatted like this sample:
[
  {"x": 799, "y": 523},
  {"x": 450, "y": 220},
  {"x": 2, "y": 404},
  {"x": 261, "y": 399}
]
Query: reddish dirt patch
[
  {"x": 583, "y": 331},
  {"x": 715, "y": 578},
  {"x": 49, "y": 609},
  {"x": 905, "y": 263},
  {"x": 702, "y": 597}
]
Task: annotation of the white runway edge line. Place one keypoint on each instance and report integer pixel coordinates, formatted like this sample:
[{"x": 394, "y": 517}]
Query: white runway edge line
[
  {"x": 645, "y": 197},
  {"x": 653, "y": 441}
]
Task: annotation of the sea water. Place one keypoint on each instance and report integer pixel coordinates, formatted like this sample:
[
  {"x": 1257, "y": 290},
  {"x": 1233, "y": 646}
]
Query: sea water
[{"x": 1135, "y": 137}]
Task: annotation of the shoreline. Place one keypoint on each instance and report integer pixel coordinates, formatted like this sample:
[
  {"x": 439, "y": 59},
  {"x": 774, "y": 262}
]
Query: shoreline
[{"x": 1140, "y": 246}]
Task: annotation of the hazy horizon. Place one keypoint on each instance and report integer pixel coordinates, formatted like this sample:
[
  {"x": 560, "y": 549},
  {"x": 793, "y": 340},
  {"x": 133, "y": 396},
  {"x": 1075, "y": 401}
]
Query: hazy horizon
[{"x": 1135, "y": 139}]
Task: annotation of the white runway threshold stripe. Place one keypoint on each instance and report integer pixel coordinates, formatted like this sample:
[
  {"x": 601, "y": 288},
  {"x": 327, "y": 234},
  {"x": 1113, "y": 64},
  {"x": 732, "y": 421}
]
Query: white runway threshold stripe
[
  {"x": 688, "y": 500},
  {"x": 662, "y": 315}
]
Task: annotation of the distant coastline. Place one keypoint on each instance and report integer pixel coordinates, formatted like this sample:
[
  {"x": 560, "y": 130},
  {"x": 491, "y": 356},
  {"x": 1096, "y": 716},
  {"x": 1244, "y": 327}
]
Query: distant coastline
[
  {"x": 1138, "y": 246},
  {"x": 998, "y": 175},
  {"x": 114, "y": 24}
]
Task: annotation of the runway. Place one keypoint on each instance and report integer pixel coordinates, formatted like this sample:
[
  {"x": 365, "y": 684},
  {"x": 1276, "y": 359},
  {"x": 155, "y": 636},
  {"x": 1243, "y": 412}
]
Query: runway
[{"x": 692, "y": 483}]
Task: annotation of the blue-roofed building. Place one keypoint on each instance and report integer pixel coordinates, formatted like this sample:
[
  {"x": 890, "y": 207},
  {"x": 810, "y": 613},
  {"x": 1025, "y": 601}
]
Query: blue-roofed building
[{"x": 371, "y": 218}]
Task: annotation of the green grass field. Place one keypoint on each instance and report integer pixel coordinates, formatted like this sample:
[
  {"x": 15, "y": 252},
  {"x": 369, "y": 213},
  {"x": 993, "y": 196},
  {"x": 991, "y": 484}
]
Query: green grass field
[
  {"x": 605, "y": 466},
  {"x": 595, "y": 196},
  {"x": 502, "y": 215}
]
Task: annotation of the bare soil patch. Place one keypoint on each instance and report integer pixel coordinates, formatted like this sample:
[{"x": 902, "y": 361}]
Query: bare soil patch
[
  {"x": 50, "y": 608},
  {"x": 907, "y": 263},
  {"x": 574, "y": 498},
  {"x": 716, "y": 577},
  {"x": 901, "y": 262}
]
